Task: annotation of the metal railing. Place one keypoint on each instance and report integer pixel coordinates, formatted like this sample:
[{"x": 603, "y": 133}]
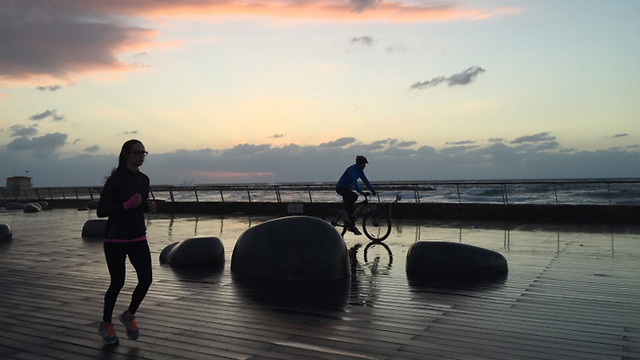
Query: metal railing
[{"x": 601, "y": 192}]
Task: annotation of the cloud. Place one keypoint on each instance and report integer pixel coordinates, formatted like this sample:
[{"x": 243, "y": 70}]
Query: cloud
[
  {"x": 360, "y": 5},
  {"x": 92, "y": 149},
  {"x": 406, "y": 144},
  {"x": 364, "y": 40},
  {"x": 276, "y": 136},
  {"x": 43, "y": 40},
  {"x": 246, "y": 163},
  {"x": 463, "y": 78},
  {"x": 338, "y": 143},
  {"x": 46, "y": 143},
  {"x": 134, "y": 132},
  {"x": 23, "y": 131},
  {"x": 49, "y": 88},
  {"x": 464, "y": 142},
  {"x": 620, "y": 135},
  {"x": 49, "y": 113},
  {"x": 544, "y": 136},
  {"x": 397, "y": 48},
  {"x": 76, "y": 141}
]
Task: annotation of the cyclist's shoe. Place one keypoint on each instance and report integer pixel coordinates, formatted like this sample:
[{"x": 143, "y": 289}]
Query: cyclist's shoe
[
  {"x": 107, "y": 334},
  {"x": 129, "y": 323},
  {"x": 354, "y": 230}
]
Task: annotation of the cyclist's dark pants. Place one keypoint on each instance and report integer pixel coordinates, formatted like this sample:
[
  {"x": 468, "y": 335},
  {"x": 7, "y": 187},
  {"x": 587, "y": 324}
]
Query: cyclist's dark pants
[
  {"x": 140, "y": 257},
  {"x": 348, "y": 198}
]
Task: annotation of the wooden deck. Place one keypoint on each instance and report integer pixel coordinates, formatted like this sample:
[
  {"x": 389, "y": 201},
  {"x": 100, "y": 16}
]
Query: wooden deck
[{"x": 571, "y": 293}]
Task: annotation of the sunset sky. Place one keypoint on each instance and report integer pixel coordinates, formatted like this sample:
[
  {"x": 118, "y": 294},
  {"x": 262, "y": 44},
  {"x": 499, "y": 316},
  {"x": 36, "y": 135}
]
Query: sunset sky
[{"x": 270, "y": 91}]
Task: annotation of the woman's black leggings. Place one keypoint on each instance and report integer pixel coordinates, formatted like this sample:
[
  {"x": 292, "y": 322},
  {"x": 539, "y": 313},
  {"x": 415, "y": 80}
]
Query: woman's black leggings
[{"x": 140, "y": 257}]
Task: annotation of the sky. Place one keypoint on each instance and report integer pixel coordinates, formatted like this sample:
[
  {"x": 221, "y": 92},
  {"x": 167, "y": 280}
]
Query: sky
[{"x": 277, "y": 91}]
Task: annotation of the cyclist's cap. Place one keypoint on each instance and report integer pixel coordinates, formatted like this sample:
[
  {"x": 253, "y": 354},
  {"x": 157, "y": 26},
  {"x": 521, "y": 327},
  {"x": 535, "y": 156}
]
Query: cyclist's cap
[{"x": 361, "y": 159}]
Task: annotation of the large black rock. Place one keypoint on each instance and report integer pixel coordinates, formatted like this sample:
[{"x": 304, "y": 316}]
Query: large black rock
[
  {"x": 32, "y": 207},
  {"x": 443, "y": 258},
  {"x": 197, "y": 252},
  {"x": 14, "y": 206},
  {"x": 5, "y": 233},
  {"x": 301, "y": 248},
  {"x": 94, "y": 228}
]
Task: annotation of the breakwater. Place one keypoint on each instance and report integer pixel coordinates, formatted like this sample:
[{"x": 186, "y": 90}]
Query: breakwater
[{"x": 613, "y": 214}]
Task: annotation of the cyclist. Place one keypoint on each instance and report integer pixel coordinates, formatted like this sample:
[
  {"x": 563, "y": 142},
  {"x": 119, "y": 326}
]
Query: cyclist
[{"x": 349, "y": 181}]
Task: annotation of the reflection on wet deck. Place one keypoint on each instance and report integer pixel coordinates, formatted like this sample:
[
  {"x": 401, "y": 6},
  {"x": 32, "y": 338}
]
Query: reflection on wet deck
[{"x": 571, "y": 292}]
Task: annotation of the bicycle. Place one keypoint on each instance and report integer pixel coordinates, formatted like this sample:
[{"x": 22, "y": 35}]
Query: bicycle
[{"x": 376, "y": 224}]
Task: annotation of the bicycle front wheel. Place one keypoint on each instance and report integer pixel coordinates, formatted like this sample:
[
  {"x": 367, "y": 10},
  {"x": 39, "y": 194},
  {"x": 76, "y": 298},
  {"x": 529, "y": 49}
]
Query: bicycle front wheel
[
  {"x": 376, "y": 225},
  {"x": 333, "y": 217}
]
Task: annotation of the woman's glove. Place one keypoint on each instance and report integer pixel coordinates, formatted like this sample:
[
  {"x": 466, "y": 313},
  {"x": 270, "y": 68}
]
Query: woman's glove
[{"x": 133, "y": 201}]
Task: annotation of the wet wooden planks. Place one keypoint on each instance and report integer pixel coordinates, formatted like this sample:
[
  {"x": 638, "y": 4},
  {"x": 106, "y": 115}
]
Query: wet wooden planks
[{"x": 563, "y": 303}]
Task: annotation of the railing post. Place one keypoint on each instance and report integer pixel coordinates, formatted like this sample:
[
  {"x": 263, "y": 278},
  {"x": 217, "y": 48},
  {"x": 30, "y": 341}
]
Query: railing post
[
  {"x": 221, "y": 196},
  {"x": 609, "y": 186},
  {"x": 62, "y": 191},
  {"x": 249, "y": 194},
  {"x": 195, "y": 191},
  {"x": 91, "y": 194},
  {"x": 152, "y": 196},
  {"x": 278, "y": 194},
  {"x": 171, "y": 194},
  {"x": 555, "y": 191},
  {"x": 458, "y": 190},
  {"x": 309, "y": 191}
]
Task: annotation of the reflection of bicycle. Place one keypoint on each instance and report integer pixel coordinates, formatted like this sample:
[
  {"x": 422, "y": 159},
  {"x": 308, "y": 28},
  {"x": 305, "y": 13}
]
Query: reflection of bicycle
[{"x": 376, "y": 224}]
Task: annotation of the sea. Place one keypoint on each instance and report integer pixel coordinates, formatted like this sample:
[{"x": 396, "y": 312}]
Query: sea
[{"x": 536, "y": 192}]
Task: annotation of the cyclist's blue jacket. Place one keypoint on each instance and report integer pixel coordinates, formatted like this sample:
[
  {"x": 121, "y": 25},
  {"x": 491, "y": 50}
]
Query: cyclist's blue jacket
[{"x": 350, "y": 179}]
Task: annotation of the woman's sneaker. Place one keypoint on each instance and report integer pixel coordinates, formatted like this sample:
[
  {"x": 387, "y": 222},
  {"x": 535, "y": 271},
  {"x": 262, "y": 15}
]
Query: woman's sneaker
[
  {"x": 107, "y": 334},
  {"x": 129, "y": 323}
]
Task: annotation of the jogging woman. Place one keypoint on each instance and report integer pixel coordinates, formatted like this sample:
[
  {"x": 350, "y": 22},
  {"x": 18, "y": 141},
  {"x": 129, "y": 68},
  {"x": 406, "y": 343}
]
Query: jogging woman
[{"x": 124, "y": 200}]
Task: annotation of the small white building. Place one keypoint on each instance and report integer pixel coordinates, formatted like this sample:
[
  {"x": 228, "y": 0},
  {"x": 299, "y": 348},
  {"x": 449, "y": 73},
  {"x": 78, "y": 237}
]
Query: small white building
[{"x": 18, "y": 183}]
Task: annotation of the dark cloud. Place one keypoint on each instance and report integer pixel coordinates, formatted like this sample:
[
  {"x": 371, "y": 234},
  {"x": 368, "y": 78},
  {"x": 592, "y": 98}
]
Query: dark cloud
[
  {"x": 76, "y": 141},
  {"x": 496, "y": 139},
  {"x": 134, "y": 132},
  {"x": 294, "y": 163},
  {"x": 464, "y": 142},
  {"x": 544, "y": 136},
  {"x": 406, "y": 144},
  {"x": 364, "y": 40},
  {"x": 23, "y": 131},
  {"x": 277, "y": 136},
  {"x": 53, "y": 114},
  {"x": 92, "y": 149},
  {"x": 45, "y": 143},
  {"x": 620, "y": 135},
  {"x": 338, "y": 143},
  {"x": 61, "y": 39},
  {"x": 463, "y": 78},
  {"x": 49, "y": 88}
]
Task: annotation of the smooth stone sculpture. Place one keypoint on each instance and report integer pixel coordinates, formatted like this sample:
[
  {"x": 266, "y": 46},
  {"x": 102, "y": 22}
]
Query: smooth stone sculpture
[
  {"x": 199, "y": 252},
  {"x": 43, "y": 204},
  {"x": 94, "y": 228},
  {"x": 443, "y": 258},
  {"x": 5, "y": 233},
  {"x": 15, "y": 206},
  {"x": 32, "y": 207},
  {"x": 301, "y": 248}
]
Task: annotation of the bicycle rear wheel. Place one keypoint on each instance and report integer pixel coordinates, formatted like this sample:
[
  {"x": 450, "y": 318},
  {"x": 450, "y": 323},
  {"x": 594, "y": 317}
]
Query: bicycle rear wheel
[
  {"x": 376, "y": 225},
  {"x": 333, "y": 217}
]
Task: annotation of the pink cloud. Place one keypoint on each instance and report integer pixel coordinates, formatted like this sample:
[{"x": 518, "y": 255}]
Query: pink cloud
[{"x": 62, "y": 40}]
